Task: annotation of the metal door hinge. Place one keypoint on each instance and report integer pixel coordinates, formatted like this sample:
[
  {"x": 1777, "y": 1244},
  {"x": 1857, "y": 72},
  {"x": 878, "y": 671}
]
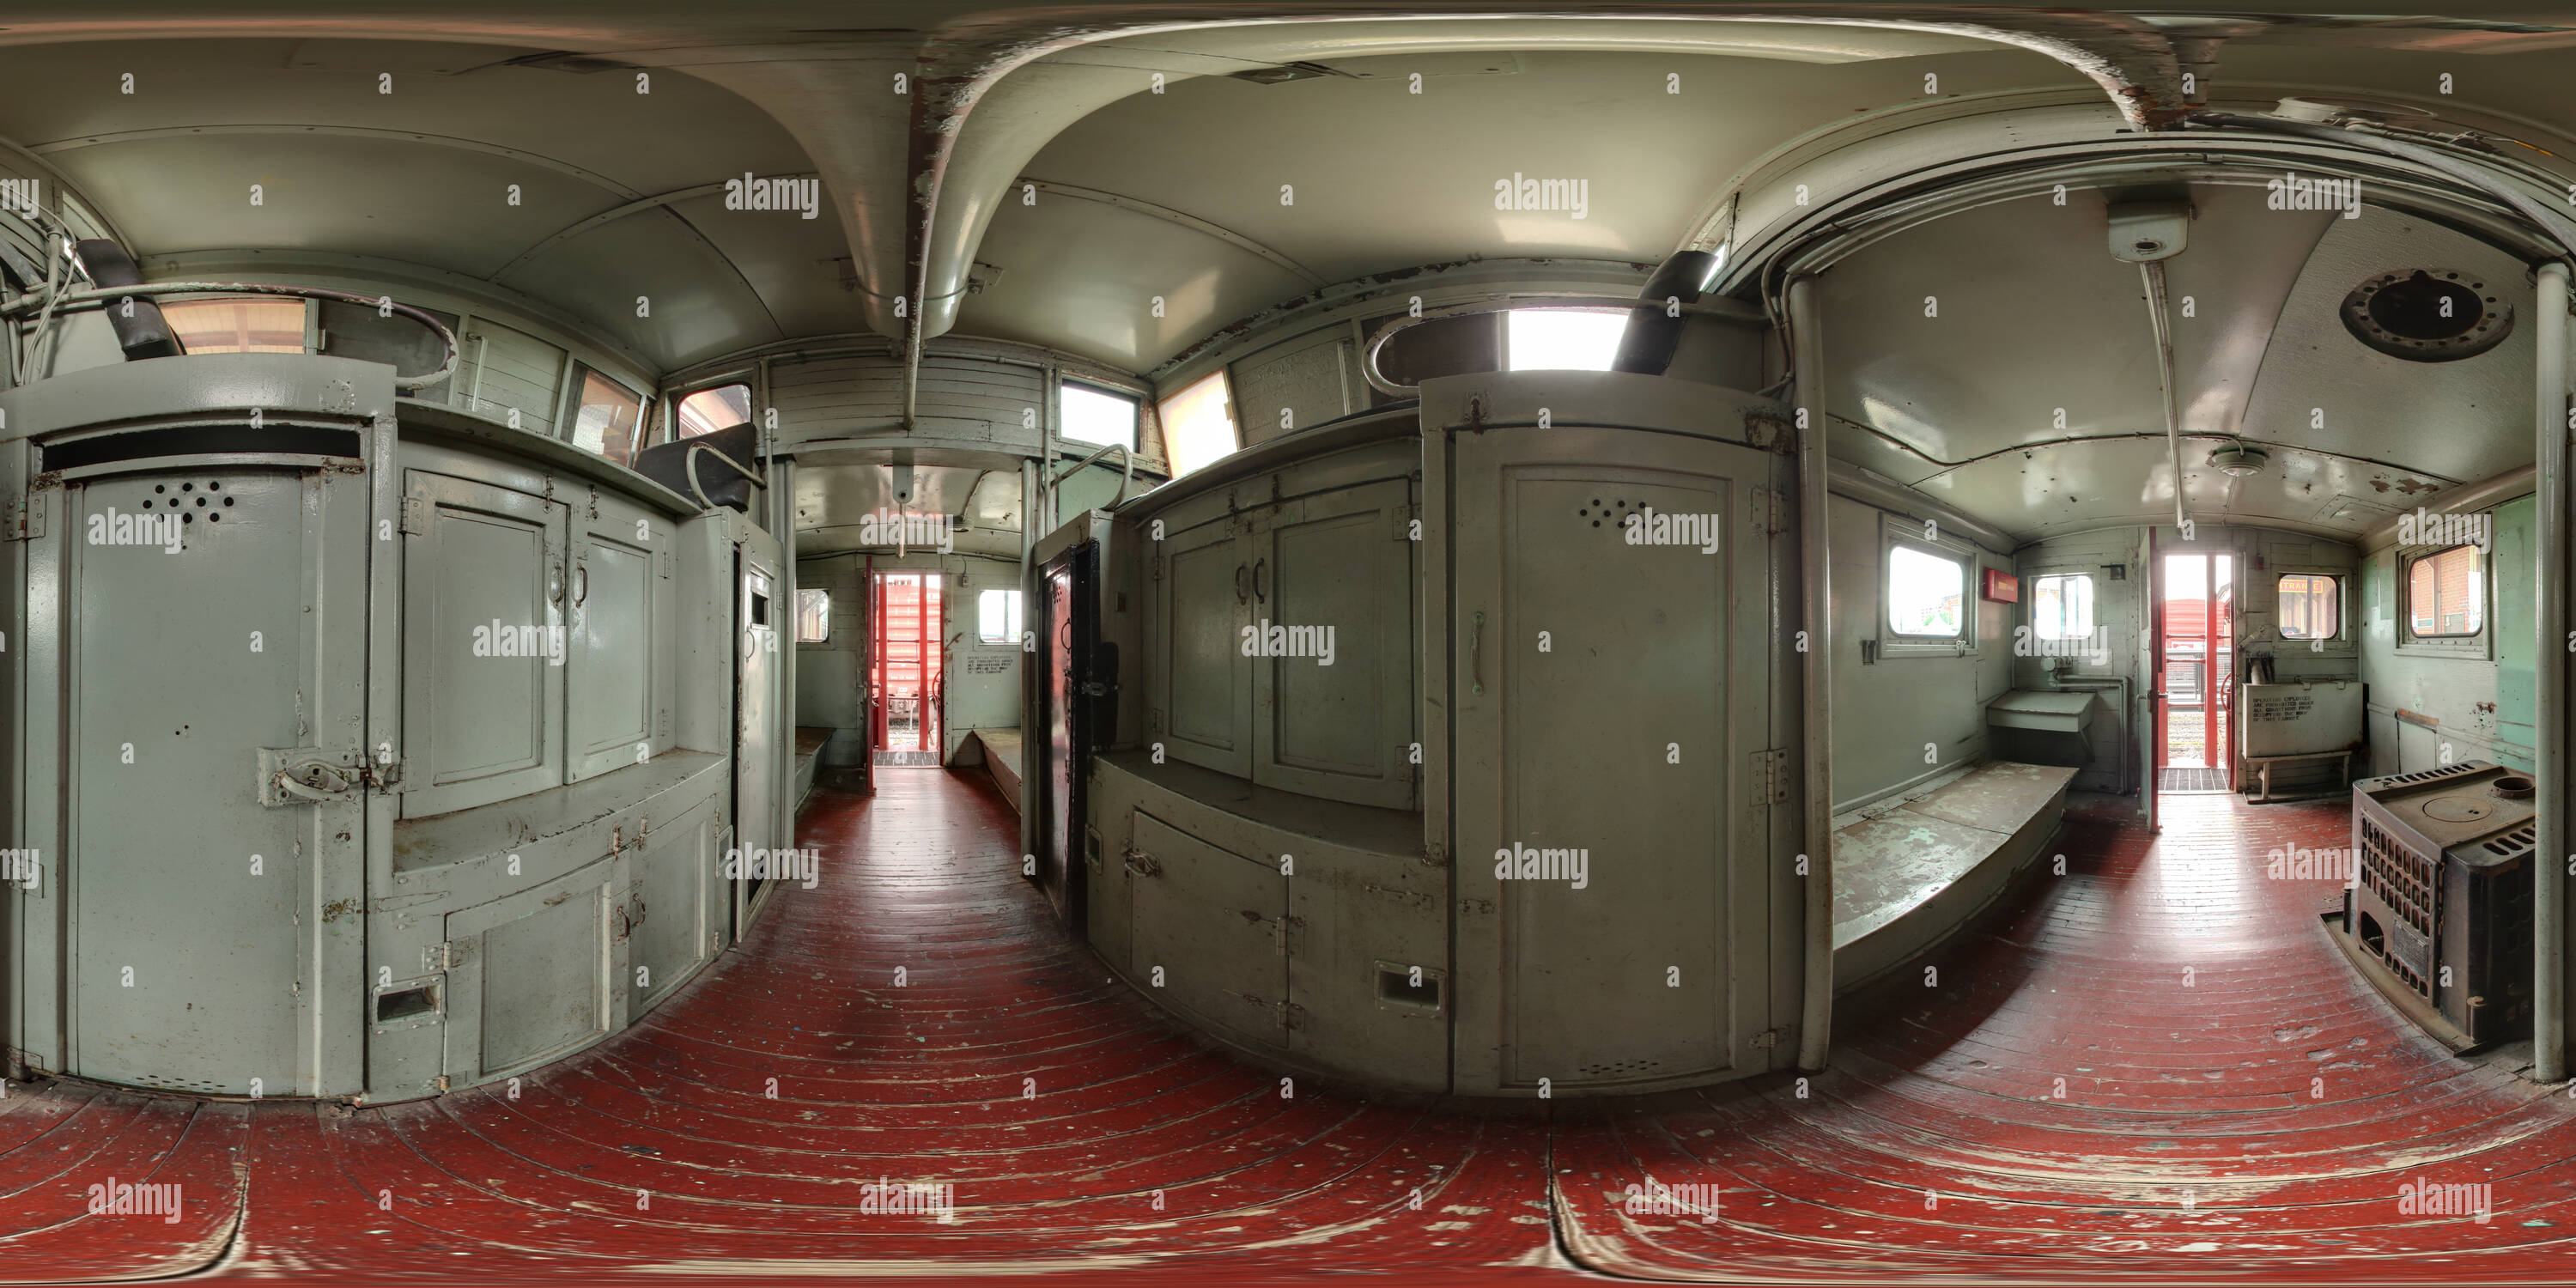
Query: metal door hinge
[
  {"x": 1143, "y": 864},
  {"x": 415, "y": 516},
  {"x": 25, "y": 518},
  {"x": 1771, "y": 510},
  {"x": 1158, "y": 567},
  {"x": 1291, "y": 1016},
  {"x": 1771, "y": 1037},
  {"x": 1476, "y": 907},
  {"x": 1154, "y": 720},
  {"x": 1771, "y": 777},
  {"x": 1291, "y": 932},
  {"x": 1403, "y": 516},
  {"x": 663, "y": 560}
]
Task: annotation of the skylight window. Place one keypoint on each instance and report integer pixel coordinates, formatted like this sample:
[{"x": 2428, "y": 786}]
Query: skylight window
[{"x": 1562, "y": 339}]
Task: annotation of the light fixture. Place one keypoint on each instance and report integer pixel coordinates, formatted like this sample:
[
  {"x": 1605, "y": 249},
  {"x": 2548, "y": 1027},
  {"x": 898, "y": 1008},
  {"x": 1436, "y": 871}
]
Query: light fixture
[{"x": 2238, "y": 460}]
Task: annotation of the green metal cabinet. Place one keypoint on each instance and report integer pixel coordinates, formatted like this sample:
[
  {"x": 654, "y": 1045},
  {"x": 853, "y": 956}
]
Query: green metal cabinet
[{"x": 483, "y": 591}]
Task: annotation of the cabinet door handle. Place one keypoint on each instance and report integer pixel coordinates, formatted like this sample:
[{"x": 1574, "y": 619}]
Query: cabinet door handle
[
  {"x": 1257, "y": 592},
  {"x": 581, "y": 584},
  {"x": 1239, "y": 576},
  {"x": 1476, "y": 654}
]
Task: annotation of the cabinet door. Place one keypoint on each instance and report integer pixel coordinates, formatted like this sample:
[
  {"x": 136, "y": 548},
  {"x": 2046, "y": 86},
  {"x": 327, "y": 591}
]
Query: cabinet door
[
  {"x": 1212, "y": 921},
  {"x": 618, "y": 685},
  {"x": 1332, "y": 605},
  {"x": 1202, "y": 677},
  {"x": 483, "y": 644}
]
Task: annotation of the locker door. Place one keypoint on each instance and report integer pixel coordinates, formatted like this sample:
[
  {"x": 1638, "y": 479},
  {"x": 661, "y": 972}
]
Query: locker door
[
  {"x": 483, "y": 644},
  {"x": 1203, "y": 682},
  {"x": 1611, "y": 697},
  {"x": 1340, "y": 726}
]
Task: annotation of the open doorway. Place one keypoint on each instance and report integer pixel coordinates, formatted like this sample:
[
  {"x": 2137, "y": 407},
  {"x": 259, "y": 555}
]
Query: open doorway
[
  {"x": 2196, "y": 616},
  {"x": 905, "y": 671}
]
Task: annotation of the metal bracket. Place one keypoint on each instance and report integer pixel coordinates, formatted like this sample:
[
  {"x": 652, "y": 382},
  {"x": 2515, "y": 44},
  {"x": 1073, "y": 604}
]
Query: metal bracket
[
  {"x": 415, "y": 516},
  {"x": 1771, "y": 777},
  {"x": 25, "y": 518},
  {"x": 1771, "y": 1037},
  {"x": 1291, "y": 1016},
  {"x": 1770, "y": 510},
  {"x": 1143, "y": 864}
]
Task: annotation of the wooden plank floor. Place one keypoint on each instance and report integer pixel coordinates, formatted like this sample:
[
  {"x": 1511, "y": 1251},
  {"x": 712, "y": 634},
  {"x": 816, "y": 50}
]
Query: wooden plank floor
[{"x": 2154, "y": 1065}]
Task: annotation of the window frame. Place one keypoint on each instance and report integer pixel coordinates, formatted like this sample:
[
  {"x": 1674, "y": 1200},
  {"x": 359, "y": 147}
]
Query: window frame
[
  {"x": 672, "y": 398},
  {"x": 568, "y": 416},
  {"x": 2342, "y": 632},
  {"x": 801, "y": 593},
  {"x": 2092, "y": 603},
  {"x": 2467, "y": 644},
  {"x": 1900, "y": 532},
  {"x": 1014, "y": 607},
  {"x": 1138, "y": 398}
]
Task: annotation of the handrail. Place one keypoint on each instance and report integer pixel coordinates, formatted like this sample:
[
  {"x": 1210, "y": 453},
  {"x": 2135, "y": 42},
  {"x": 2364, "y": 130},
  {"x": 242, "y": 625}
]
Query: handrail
[
  {"x": 689, "y": 465},
  {"x": 1507, "y": 301},
  {"x": 102, "y": 296},
  {"x": 1124, "y": 480}
]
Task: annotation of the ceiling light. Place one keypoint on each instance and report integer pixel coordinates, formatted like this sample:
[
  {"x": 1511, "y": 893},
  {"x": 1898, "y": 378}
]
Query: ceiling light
[{"x": 2238, "y": 460}]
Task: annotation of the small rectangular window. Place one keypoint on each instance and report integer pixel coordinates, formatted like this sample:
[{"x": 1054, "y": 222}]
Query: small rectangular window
[
  {"x": 1198, "y": 425},
  {"x": 238, "y": 324},
  {"x": 1093, "y": 415},
  {"x": 2309, "y": 606},
  {"x": 709, "y": 410},
  {"x": 813, "y": 616},
  {"x": 605, "y": 421},
  {"x": 2446, "y": 595},
  {"x": 1926, "y": 594},
  {"x": 1562, "y": 339},
  {"x": 997, "y": 616},
  {"x": 2061, "y": 606}
]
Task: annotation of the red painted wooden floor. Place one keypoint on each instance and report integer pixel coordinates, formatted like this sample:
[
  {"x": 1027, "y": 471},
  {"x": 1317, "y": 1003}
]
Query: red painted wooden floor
[{"x": 2154, "y": 1065}]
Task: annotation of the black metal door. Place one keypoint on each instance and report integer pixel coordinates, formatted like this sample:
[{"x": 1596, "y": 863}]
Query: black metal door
[{"x": 1068, "y": 685}]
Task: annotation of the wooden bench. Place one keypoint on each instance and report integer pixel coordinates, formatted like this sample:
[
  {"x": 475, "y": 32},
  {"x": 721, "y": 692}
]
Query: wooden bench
[{"x": 1910, "y": 869}]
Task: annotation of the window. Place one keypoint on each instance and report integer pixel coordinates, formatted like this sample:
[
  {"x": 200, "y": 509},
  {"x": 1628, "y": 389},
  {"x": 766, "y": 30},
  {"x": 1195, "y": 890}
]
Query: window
[
  {"x": 2445, "y": 595},
  {"x": 2309, "y": 604},
  {"x": 813, "y": 616},
  {"x": 1926, "y": 594},
  {"x": 1562, "y": 339},
  {"x": 238, "y": 324},
  {"x": 2061, "y": 606},
  {"x": 1095, "y": 415},
  {"x": 605, "y": 421},
  {"x": 997, "y": 616},
  {"x": 1198, "y": 425},
  {"x": 709, "y": 410}
]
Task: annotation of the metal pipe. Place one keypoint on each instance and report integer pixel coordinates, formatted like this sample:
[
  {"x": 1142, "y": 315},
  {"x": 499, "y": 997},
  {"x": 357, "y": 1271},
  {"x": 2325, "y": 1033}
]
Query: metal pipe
[
  {"x": 1806, "y": 366},
  {"x": 2153, "y": 271},
  {"x": 2549, "y": 752}
]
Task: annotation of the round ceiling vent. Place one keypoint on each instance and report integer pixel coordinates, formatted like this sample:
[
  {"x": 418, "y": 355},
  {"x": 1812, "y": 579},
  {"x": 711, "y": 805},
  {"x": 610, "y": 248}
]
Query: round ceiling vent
[{"x": 2427, "y": 315}]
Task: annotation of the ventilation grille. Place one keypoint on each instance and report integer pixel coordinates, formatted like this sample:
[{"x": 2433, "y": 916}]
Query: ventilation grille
[
  {"x": 2408, "y": 883},
  {"x": 2516, "y": 842},
  {"x": 1620, "y": 1069}
]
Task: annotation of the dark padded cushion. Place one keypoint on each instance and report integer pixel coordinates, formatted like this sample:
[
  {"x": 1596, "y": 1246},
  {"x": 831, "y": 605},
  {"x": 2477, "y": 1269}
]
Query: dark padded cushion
[{"x": 668, "y": 465}]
